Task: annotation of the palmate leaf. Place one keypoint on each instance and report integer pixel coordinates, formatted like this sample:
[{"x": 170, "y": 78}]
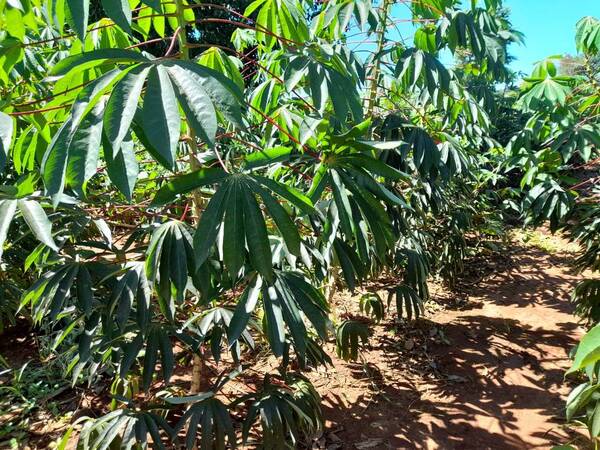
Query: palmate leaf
[
  {"x": 201, "y": 91},
  {"x": 354, "y": 269},
  {"x": 157, "y": 340},
  {"x": 407, "y": 301},
  {"x": 587, "y": 36},
  {"x": 358, "y": 199},
  {"x": 459, "y": 30},
  {"x": 285, "y": 415},
  {"x": 125, "y": 428},
  {"x": 215, "y": 324},
  {"x": 416, "y": 67},
  {"x": 349, "y": 337},
  {"x": 425, "y": 153},
  {"x": 327, "y": 77},
  {"x": 216, "y": 59},
  {"x": 372, "y": 305},
  {"x": 251, "y": 228},
  {"x": 287, "y": 303},
  {"x": 129, "y": 294},
  {"x": 209, "y": 422},
  {"x": 279, "y": 18},
  {"x": 141, "y": 339},
  {"x": 234, "y": 207},
  {"x": 547, "y": 92},
  {"x": 425, "y": 39},
  {"x": 170, "y": 263},
  {"x": 48, "y": 295},
  {"x": 547, "y": 201},
  {"x": 416, "y": 269}
]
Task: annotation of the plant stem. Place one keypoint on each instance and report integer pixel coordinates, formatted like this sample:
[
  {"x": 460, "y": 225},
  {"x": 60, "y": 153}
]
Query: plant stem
[
  {"x": 199, "y": 373},
  {"x": 375, "y": 67}
]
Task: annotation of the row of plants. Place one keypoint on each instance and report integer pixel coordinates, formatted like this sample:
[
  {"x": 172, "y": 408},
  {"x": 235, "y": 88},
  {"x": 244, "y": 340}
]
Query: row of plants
[
  {"x": 174, "y": 205},
  {"x": 247, "y": 181},
  {"x": 557, "y": 154}
]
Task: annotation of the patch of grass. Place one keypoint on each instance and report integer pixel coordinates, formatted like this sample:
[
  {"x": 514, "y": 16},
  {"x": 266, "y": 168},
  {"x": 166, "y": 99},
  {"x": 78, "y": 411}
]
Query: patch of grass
[
  {"x": 542, "y": 239},
  {"x": 28, "y": 399}
]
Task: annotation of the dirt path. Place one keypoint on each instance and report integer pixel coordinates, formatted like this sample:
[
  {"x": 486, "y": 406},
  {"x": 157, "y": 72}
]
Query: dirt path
[{"x": 484, "y": 376}]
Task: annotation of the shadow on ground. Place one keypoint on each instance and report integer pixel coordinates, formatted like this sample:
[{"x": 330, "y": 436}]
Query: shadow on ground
[{"x": 495, "y": 381}]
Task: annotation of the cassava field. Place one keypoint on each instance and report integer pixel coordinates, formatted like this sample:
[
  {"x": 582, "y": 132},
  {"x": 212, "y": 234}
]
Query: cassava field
[{"x": 296, "y": 224}]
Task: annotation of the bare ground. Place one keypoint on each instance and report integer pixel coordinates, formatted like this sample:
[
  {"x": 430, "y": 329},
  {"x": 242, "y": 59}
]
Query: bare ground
[{"x": 485, "y": 372}]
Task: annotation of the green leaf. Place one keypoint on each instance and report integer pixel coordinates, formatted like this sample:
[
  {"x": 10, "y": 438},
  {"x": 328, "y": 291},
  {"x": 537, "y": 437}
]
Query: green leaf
[
  {"x": 7, "y": 212},
  {"x": 216, "y": 59},
  {"x": 243, "y": 310},
  {"x": 257, "y": 237},
  {"x": 273, "y": 320},
  {"x": 195, "y": 102},
  {"x": 187, "y": 183},
  {"x": 54, "y": 162},
  {"x": 284, "y": 223},
  {"x": 223, "y": 92},
  {"x": 292, "y": 195},
  {"x": 588, "y": 350},
  {"x": 84, "y": 149},
  {"x": 122, "y": 167},
  {"x": 268, "y": 156},
  {"x": 38, "y": 222},
  {"x": 87, "y": 60},
  {"x": 119, "y": 11},
  {"x": 190, "y": 398},
  {"x": 167, "y": 357},
  {"x": 79, "y": 15},
  {"x": 161, "y": 121},
  {"x": 6, "y": 133},
  {"x": 234, "y": 242},
  {"x": 351, "y": 335},
  {"x": 85, "y": 295},
  {"x": 150, "y": 358},
  {"x": 122, "y": 105},
  {"x": 207, "y": 230}
]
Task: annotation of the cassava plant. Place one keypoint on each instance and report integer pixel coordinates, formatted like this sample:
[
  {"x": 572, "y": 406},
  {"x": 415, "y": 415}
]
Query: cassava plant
[{"x": 173, "y": 205}]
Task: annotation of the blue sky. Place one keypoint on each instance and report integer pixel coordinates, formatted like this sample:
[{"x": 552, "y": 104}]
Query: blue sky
[{"x": 549, "y": 27}]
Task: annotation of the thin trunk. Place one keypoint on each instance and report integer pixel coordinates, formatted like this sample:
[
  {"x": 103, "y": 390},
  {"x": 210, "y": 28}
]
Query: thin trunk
[
  {"x": 375, "y": 69},
  {"x": 199, "y": 373}
]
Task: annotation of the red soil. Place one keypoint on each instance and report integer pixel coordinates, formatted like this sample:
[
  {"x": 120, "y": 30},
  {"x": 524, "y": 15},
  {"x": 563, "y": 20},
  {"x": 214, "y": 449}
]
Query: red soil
[{"x": 487, "y": 375}]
